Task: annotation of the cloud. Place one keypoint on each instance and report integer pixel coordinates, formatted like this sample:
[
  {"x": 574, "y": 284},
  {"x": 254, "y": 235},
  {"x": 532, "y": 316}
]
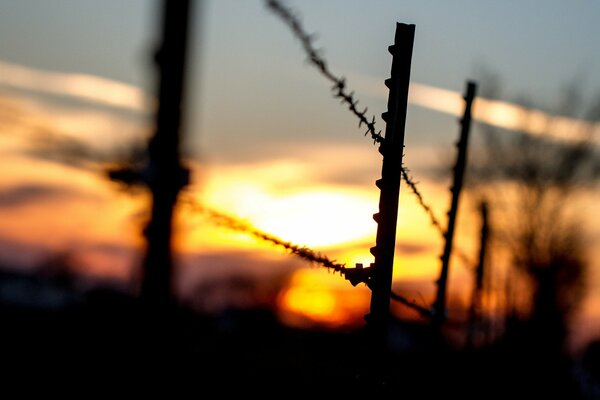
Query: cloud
[
  {"x": 19, "y": 255},
  {"x": 500, "y": 114},
  {"x": 214, "y": 263},
  {"x": 80, "y": 86},
  {"x": 413, "y": 248},
  {"x": 403, "y": 247},
  {"x": 195, "y": 268},
  {"x": 78, "y": 153},
  {"x": 350, "y": 175},
  {"x": 17, "y": 196},
  {"x": 89, "y": 139}
]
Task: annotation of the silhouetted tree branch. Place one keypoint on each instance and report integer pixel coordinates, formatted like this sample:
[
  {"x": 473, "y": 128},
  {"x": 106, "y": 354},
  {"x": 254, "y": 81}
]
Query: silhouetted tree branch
[{"x": 535, "y": 178}]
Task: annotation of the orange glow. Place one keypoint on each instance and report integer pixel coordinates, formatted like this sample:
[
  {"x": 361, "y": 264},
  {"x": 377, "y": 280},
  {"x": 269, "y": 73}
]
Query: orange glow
[
  {"x": 64, "y": 208},
  {"x": 318, "y": 305},
  {"x": 83, "y": 218},
  {"x": 312, "y": 297},
  {"x": 313, "y": 215},
  {"x": 292, "y": 198},
  {"x": 283, "y": 197},
  {"x": 315, "y": 296},
  {"x": 318, "y": 218}
]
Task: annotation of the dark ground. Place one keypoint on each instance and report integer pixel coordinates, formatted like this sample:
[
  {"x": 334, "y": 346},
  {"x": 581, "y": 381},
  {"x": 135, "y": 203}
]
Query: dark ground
[{"x": 106, "y": 341}]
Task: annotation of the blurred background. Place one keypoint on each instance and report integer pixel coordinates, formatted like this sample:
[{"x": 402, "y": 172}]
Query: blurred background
[{"x": 265, "y": 142}]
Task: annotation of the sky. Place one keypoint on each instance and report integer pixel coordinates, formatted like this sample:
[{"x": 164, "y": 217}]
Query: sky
[{"x": 264, "y": 137}]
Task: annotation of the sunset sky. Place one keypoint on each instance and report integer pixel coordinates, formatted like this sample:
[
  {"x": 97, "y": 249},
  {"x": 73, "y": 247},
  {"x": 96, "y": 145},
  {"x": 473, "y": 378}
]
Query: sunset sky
[{"x": 264, "y": 138}]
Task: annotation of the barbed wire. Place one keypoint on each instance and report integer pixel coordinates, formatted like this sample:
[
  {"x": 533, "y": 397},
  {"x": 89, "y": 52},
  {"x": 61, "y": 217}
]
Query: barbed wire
[
  {"x": 413, "y": 186},
  {"x": 339, "y": 87},
  {"x": 433, "y": 219},
  {"x": 237, "y": 224},
  {"x": 468, "y": 262},
  {"x": 303, "y": 252},
  {"x": 339, "y": 83},
  {"x": 424, "y": 311},
  {"x": 340, "y": 91}
]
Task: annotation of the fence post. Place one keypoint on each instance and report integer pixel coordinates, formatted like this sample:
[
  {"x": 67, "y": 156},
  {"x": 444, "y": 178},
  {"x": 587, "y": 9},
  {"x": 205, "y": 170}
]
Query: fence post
[
  {"x": 439, "y": 306},
  {"x": 476, "y": 301},
  {"x": 391, "y": 148},
  {"x": 165, "y": 174}
]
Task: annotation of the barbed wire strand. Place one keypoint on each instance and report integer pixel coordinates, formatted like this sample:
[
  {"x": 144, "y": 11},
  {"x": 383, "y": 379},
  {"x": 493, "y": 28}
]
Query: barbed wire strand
[
  {"x": 423, "y": 311},
  {"x": 340, "y": 91},
  {"x": 237, "y": 224},
  {"x": 305, "y": 253},
  {"x": 413, "y": 186},
  {"x": 467, "y": 261},
  {"x": 339, "y": 83},
  {"x": 433, "y": 219},
  {"x": 339, "y": 87}
]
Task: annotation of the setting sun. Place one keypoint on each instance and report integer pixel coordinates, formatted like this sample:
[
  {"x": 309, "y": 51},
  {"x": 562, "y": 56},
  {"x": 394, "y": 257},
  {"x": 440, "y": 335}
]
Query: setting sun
[
  {"x": 315, "y": 296},
  {"x": 265, "y": 194},
  {"x": 302, "y": 212}
]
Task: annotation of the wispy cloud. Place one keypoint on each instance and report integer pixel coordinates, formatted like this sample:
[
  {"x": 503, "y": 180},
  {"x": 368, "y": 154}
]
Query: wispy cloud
[
  {"x": 503, "y": 114},
  {"x": 497, "y": 113},
  {"x": 84, "y": 138},
  {"x": 28, "y": 193},
  {"x": 78, "y": 153},
  {"x": 80, "y": 86}
]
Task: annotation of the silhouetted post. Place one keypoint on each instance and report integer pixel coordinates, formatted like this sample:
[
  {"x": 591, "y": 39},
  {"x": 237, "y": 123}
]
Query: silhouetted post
[
  {"x": 474, "y": 313},
  {"x": 439, "y": 306},
  {"x": 165, "y": 174},
  {"x": 391, "y": 148}
]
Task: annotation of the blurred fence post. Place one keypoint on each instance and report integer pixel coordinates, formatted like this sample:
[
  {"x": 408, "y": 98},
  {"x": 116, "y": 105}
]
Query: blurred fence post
[
  {"x": 476, "y": 301},
  {"x": 165, "y": 174},
  {"x": 439, "y": 306}
]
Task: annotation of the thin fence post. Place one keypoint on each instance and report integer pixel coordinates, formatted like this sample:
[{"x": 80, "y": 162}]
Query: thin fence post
[
  {"x": 391, "y": 148},
  {"x": 439, "y": 306}
]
